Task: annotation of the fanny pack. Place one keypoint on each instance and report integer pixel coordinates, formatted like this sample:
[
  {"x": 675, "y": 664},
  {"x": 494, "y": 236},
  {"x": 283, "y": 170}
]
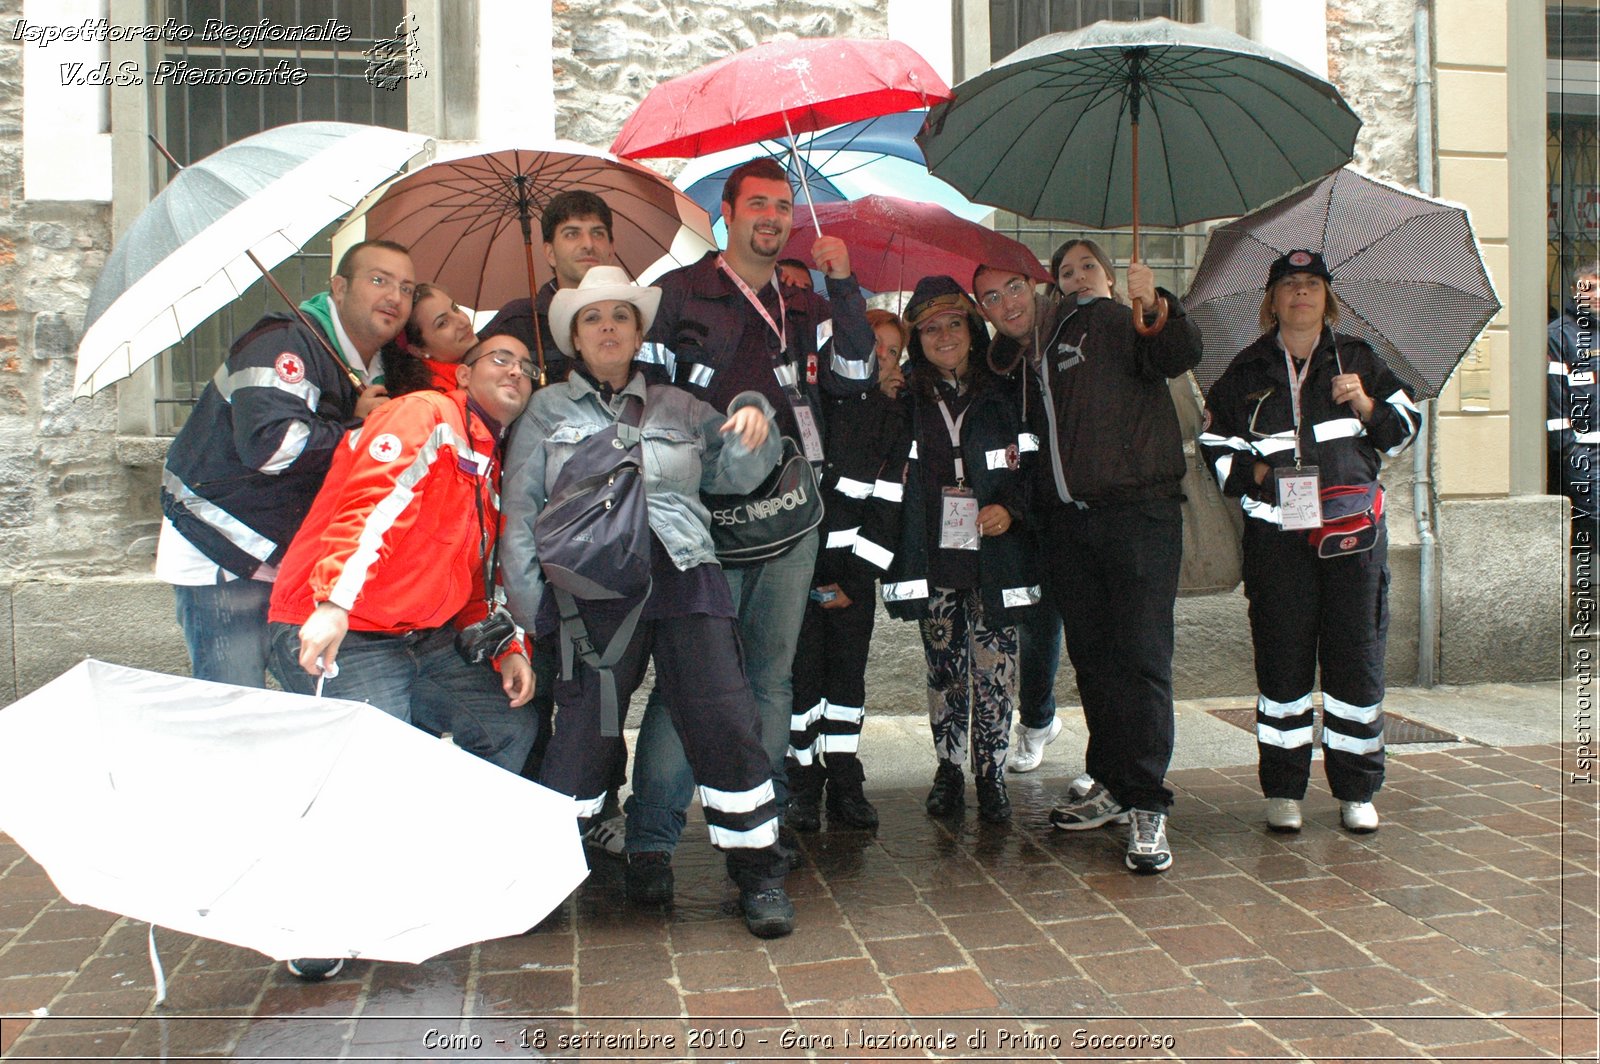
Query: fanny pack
[
  {"x": 1351, "y": 516},
  {"x": 770, "y": 521}
]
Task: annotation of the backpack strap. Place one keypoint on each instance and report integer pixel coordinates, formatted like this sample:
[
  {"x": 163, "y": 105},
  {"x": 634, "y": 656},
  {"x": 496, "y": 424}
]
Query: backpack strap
[{"x": 575, "y": 640}]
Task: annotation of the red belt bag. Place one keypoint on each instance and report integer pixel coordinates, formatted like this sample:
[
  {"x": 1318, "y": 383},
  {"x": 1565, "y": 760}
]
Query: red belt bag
[{"x": 1351, "y": 517}]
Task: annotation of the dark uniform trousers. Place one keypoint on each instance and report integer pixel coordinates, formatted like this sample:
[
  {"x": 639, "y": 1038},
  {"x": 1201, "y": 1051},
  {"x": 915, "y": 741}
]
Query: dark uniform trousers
[
  {"x": 1307, "y": 612},
  {"x": 700, "y": 673},
  {"x": 830, "y": 676},
  {"x": 1114, "y": 573}
]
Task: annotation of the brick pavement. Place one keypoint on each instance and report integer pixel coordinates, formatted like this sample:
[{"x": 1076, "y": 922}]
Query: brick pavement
[{"x": 1465, "y": 930}]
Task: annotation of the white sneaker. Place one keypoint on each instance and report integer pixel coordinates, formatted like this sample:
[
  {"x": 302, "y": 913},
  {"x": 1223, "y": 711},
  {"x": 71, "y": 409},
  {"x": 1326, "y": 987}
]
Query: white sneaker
[
  {"x": 1359, "y": 817},
  {"x": 1283, "y": 814},
  {"x": 1029, "y": 751}
]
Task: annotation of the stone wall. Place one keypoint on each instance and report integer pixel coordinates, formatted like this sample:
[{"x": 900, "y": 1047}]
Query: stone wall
[
  {"x": 608, "y": 54},
  {"x": 68, "y": 506},
  {"x": 1372, "y": 58}
]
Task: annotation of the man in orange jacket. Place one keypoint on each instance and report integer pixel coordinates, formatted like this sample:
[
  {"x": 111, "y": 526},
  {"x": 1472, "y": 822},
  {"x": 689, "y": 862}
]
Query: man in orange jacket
[{"x": 386, "y": 578}]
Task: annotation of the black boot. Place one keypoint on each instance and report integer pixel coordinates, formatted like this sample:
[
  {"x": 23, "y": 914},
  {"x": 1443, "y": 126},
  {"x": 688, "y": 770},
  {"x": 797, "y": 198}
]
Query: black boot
[
  {"x": 804, "y": 812},
  {"x": 948, "y": 794},
  {"x": 847, "y": 805},
  {"x": 993, "y": 804}
]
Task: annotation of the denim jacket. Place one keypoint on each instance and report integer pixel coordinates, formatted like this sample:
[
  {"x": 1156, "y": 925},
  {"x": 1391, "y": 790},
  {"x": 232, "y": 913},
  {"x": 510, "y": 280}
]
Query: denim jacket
[{"x": 684, "y": 454}]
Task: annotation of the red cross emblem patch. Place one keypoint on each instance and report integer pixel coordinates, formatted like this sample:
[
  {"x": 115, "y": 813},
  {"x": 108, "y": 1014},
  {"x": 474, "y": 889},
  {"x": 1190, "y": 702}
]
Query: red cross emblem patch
[
  {"x": 291, "y": 369},
  {"x": 385, "y": 448}
]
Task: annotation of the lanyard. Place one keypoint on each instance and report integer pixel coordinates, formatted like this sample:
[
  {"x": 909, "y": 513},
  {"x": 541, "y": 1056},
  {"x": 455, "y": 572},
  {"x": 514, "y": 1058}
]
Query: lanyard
[
  {"x": 953, "y": 426},
  {"x": 781, "y": 326},
  {"x": 1297, "y": 381}
]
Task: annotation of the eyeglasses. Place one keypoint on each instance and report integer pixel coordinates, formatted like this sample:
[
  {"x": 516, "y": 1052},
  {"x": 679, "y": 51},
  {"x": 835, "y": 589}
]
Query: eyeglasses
[
  {"x": 505, "y": 360},
  {"x": 1013, "y": 289},
  {"x": 383, "y": 283}
]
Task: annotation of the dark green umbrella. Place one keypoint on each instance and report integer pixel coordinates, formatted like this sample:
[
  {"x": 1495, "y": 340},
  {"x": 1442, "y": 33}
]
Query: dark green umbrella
[{"x": 1056, "y": 129}]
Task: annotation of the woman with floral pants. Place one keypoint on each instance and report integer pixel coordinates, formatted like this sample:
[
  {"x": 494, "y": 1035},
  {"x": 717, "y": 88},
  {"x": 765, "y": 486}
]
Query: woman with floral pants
[{"x": 963, "y": 569}]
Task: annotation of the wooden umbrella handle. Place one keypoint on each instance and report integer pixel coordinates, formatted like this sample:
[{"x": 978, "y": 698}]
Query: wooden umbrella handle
[{"x": 1154, "y": 327}]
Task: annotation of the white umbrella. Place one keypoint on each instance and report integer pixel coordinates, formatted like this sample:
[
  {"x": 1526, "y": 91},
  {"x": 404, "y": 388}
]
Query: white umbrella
[
  {"x": 296, "y": 826},
  {"x": 189, "y": 252}
]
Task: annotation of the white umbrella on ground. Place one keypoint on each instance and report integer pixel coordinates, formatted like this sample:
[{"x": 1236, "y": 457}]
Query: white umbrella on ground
[{"x": 296, "y": 826}]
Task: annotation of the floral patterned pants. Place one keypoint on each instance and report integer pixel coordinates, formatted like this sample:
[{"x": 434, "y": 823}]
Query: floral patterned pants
[{"x": 972, "y": 681}]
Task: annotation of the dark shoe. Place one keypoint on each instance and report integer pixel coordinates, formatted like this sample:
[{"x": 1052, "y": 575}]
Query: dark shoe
[
  {"x": 847, "y": 804},
  {"x": 649, "y": 878},
  {"x": 1092, "y": 810},
  {"x": 948, "y": 794},
  {"x": 993, "y": 805},
  {"x": 804, "y": 812},
  {"x": 315, "y": 969},
  {"x": 789, "y": 846},
  {"x": 767, "y": 913}
]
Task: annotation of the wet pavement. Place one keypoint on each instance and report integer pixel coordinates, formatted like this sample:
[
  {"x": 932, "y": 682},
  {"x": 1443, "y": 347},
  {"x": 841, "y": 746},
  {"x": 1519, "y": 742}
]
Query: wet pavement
[{"x": 1465, "y": 929}]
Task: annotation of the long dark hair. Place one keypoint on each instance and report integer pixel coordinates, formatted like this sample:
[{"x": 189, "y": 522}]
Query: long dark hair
[
  {"x": 403, "y": 368},
  {"x": 921, "y": 376}
]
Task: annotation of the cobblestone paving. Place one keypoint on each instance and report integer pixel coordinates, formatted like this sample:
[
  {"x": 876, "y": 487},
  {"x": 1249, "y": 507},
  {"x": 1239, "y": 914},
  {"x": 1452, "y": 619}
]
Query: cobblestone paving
[{"x": 1466, "y": 929}]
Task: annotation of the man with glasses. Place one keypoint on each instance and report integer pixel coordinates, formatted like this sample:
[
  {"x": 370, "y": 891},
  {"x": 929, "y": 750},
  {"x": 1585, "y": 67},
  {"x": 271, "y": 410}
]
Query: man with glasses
[
  {"x": 386, "y": 594},
  {"x": 241, "y": 474},
  {"x": 1107, "y": 510}
]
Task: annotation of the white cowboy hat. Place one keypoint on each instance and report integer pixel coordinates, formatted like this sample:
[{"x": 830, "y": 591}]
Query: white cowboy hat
[{"x": 599, "y": 284}]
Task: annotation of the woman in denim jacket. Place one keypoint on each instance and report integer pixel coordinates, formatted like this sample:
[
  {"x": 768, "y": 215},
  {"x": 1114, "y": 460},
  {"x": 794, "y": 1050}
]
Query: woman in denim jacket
[{"x": 689, "y": 447}]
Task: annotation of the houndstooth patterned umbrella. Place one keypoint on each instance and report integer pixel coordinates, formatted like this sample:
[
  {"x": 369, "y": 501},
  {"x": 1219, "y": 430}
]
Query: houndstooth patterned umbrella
[{"x": 1406, "y": 269}]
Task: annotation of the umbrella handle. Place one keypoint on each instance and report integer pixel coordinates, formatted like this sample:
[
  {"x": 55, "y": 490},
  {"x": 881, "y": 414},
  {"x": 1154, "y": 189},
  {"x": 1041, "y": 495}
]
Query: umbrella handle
[{"x": 1154, "y": 327}]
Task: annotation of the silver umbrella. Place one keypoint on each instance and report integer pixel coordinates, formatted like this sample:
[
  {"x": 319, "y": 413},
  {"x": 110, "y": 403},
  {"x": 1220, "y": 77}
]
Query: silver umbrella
[
  {"x": 218, "y": 226},
  {"x": 1407, "y": 272}
]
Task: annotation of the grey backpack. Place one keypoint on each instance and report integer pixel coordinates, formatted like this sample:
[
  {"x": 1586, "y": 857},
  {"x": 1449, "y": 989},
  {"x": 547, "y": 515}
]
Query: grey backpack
[{"x": 593, "y": 541}]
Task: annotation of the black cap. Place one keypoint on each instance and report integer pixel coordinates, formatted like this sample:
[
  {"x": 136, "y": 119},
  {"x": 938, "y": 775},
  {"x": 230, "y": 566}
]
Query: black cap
[{"x": 1298, "y": 262}]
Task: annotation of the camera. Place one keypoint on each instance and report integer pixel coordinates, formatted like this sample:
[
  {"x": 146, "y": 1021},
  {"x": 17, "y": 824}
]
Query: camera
[{"x": 488, "y": 639}]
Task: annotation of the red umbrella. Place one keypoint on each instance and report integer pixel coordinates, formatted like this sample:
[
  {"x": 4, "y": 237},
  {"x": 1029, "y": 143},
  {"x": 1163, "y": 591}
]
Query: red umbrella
[
  {"x": 895, "y": 242},
  {"x": 778, "y": 89}
]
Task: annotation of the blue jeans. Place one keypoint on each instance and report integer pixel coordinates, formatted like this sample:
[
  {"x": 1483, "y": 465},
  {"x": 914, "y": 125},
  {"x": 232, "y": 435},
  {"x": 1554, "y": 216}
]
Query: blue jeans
[
  {"x": 418, "y": 677},
  {"x": 225, "y": 627},
  {"x": 771, "y": 602},
  {"x": 1039, "y": 642}
]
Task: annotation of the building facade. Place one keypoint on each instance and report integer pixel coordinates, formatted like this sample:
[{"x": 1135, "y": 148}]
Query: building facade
[{"x": 1459, "y": 98}]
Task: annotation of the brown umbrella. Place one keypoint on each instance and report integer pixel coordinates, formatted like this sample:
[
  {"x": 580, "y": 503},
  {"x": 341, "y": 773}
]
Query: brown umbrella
[{"x": 472, "y": 223}]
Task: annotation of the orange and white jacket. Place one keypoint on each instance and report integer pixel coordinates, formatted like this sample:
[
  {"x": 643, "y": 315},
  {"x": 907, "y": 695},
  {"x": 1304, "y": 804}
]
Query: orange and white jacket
[{"x": 395, "y": 535}]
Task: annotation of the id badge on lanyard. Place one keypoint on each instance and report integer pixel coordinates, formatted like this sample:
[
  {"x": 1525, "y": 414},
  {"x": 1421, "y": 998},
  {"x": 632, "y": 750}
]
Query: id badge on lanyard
[
  {"x": 806, "y": 420},
  {"x": 958, "y": 520},
  {"x": 1300, "y": 488},
  {"x": 1299, "y": 497},
  {"x": 958, "y": 516}
]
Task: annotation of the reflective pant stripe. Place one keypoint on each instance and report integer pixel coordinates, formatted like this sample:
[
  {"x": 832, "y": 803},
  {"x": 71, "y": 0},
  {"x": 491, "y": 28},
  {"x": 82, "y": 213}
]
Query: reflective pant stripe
[
  {"x": 756, "y": 838},
  {"x": 1289, "y": 740},
  {"x": 1338, "y": 741},
  {"x": 1345, "y": 711},
  {"x": 737, "y": 801},
  {"x": 1268, "y": 708}
]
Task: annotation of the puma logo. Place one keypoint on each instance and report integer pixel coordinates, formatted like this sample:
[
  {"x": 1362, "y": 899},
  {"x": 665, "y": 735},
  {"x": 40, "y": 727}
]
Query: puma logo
[{"x": 1067, "y": 356}]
